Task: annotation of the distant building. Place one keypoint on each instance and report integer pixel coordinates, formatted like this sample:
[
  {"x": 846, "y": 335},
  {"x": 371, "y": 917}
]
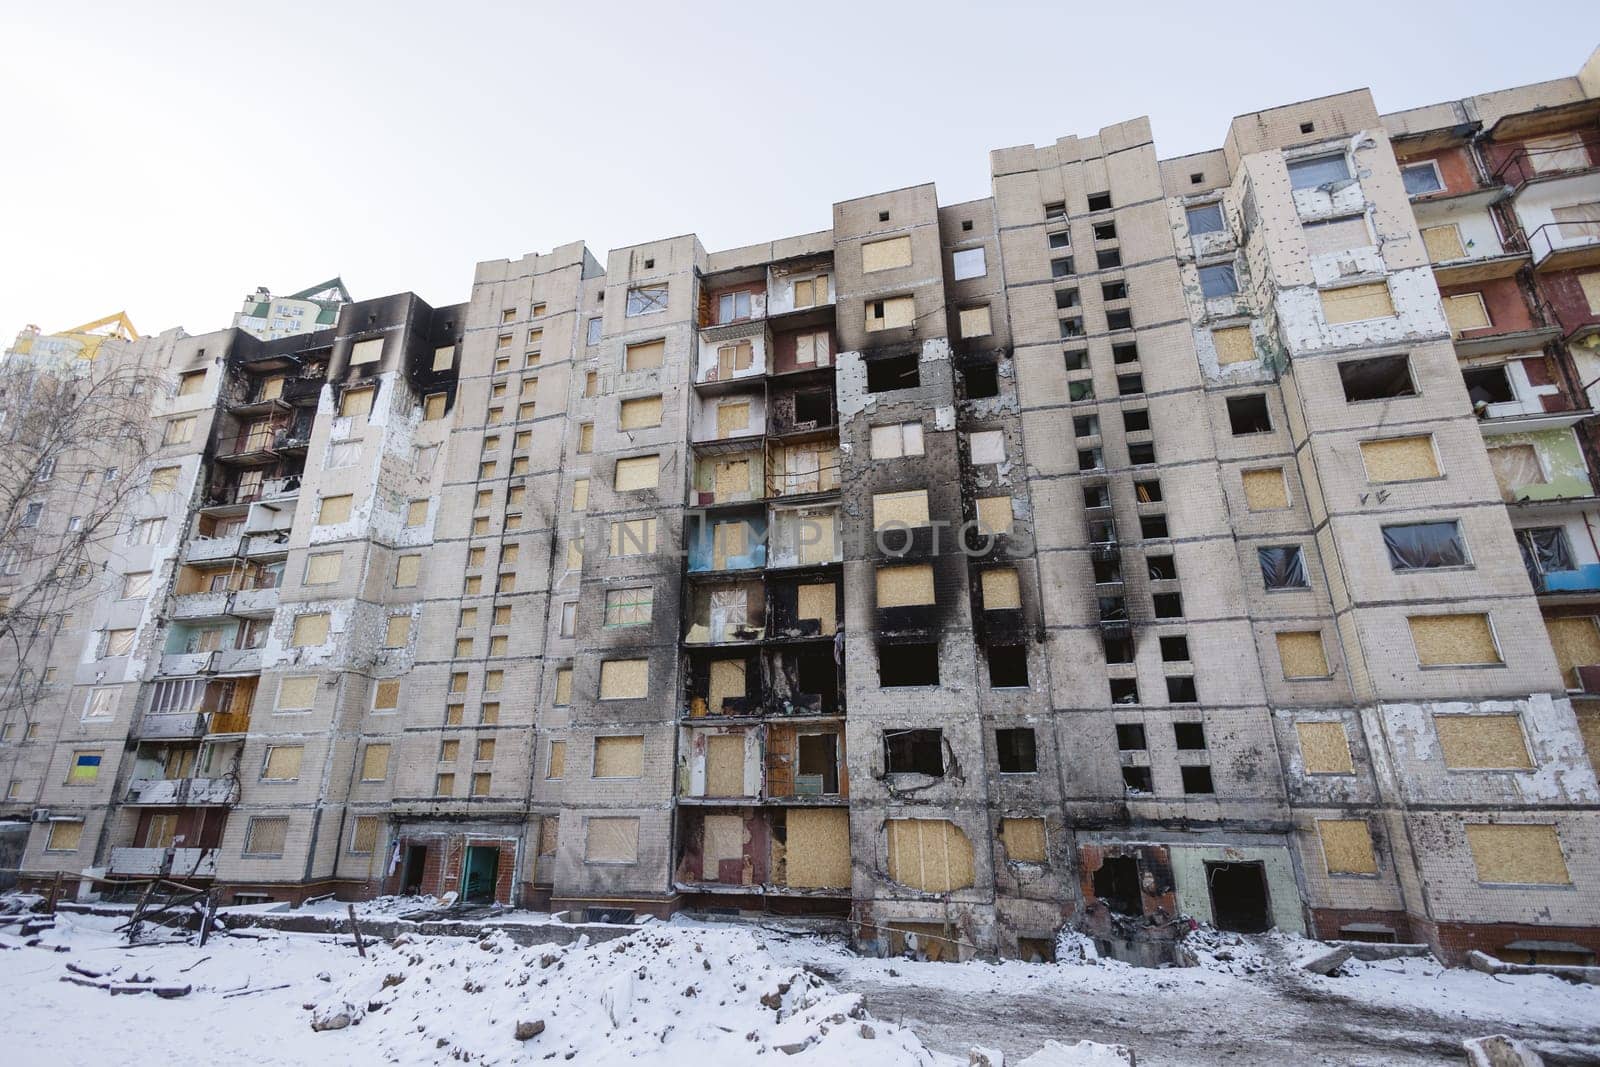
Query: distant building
[{"x": 317, "y": 308}]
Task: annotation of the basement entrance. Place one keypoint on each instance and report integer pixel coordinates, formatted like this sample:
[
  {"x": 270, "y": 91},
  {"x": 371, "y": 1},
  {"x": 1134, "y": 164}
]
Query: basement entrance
[
  {"x": 479, "y": 874},
  {"x": 415, "y": 863},
  {"x": 1239, "y": 897}
]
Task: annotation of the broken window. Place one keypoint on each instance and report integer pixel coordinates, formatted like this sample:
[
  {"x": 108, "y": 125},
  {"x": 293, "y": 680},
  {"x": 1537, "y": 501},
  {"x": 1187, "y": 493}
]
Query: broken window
[
  {"x": 1086, "y": 426},
  {"x": 1071, "y": 327},
  {"x": 1205, "y": 218},
  {"x": 1162, "y": 568},
  {"x": 1175, "y": 649},
  {"x": 913, "y": 752},
  {"x": 1147, "y": 491},
  {"x": 1318, "y": 171},
  {"x": 1060, "y": 240},
  {"x": 1130, "y": 384},
  {"x": 1118, "y": 649},
  {"x": 1152, "y": 527},
  {"x": 1136, "y": 420},
  {"x": 1015, "y": 749},
  {"x": 1127, "y": 352},
  {"x": 1283, "y": 567},
  {"x": 1105, "y": 231},
  {"x": 1544, "y": 549},
  {"x": 1168, "y": 605},
  {"x": 646, "y": 300},
  {"x": 1119, "y": 320},
  {"x": 1137, "y": 780},
  {"x": 1130, "y": 736},
  {"x": 1189, "y": 736},
  {"x": 1076, "y": 359},
  {"x": 818, "y": 764},
  {"x": 1197, "y": 778},
  {"x": 1100, "y": 201},
  {"x": 1141, "y": 453},
  {"x": 908, "y": 664},
  {"x": 1124, "y": 691},
  {"x": 1055, "y": 210},
  {"x": 1108, "y": 258},
  {"x": 1421, "y": 178},
  {"x": 1420, "y": 545},
  {"x": 1376, "y": 379},
  {"x": 1066, "y": 299},
  {"x": 894, "y": 372},
  {"x": 1061, "y": 268},
  {"x": 982, "y": 381},
  {"x": 1248, "y": 414},
  {"x": 1116, "y": 885},
  {"x": 1488, "y": 385},
  {"x": 1114, "y": 291},
  {"x": 1107, "y": 571},
  {"x": 1008, "y": 666}
]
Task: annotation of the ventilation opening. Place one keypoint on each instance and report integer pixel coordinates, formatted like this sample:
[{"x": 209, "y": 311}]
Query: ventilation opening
[
  {"x": 1376, "y": 379},
  {"x": 1008, "y": 667},
  {"x": 1248, "y": 414},
  {"x": 908, "y": 664},
  {"x": 1016, "y": 751},
  {"x": 1116, "y": 884},
  {"x": 894, "y": 372},
  {"x": 982, "y": 381},
  {"x": 913, "y": 752},
  {"x": 1238, "y": 897},
  {"x": 883, "y": 216}
]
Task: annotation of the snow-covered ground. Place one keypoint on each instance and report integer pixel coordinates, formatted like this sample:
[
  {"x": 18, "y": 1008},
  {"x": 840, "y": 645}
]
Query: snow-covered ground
[{"x": 712, "y": 993}]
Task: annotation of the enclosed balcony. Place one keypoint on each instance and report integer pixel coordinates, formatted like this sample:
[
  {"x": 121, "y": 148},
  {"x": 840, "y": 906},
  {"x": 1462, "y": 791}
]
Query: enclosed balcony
[
  {"x": 805, "y": 536},
  {"x": 182, "y": 792},
  {"x": 726, "y": 613},
  {"x": 148, "y": 862},
  {"x": 727, "y": 472},
  {"x": 799, "y": 852},
  {"x": 719, "y": 763},
  {"x": 727, "y": 541},
  {"x": 806, "y": 763},
  {"x": 724, "y": 683}
]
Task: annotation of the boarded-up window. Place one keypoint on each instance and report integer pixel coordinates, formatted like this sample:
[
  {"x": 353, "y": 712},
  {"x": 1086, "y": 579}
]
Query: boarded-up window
[
  {"x": 886, "y": 254},
  {"x": 638, "y": 472},
  {"x": 433, "y": 406},
  {"x": 1234, "y": 345},
  {"x": 905, "y": 585},
  {"x": 732, "y": 417},
  {"x": 407, "y": 570},
  {"x": 1516, "y": 466},
  {"x": 818, "y": 848},
  {"x": 1024, "y": 840},
  {"x": 721, "y": 838},
  {"x": 283, "y": 763},
  {"x": 1576, "y": 641},
  {"x": 975, "y": 322},
  {"x": 585, "y": 438},
  {"x": 995, "y": 514},
  {"x": 731, "y": 479},
  {"x": 375, "y": 763},
  {"x": 367, "y": 351},
  {"x": 812, "y": 348},
  {"x": 1443, "y": 243},
  {"x": 494, "y": 681},
  {"x": 1265, "y": 489},
  {"x": 398, "y": 630},
  {"x": 725, "y": 767},
  {"x": 612, "y": 840},
  {"x": 334, "y": 509},
  {"x": 618, "y": 757},
  {"x": 64, "y": 836},
  {"x": 1324, "y": 747},
  {"x": 821, "y": 543},
  {"x": 905, "y": 508},
  {"x": 1354, "y": 303},
  {"x": 309, "y": 630},
  {"x": 1578, "y": 221},
  {"x": 324, "y": 567},
  {"x": 444, "y": 358},
  {"x": 647, "y": 355},
  {"x": 1001, "y": 589},
  {"x": 633, "y": 537},
  {"x": 556, "y": 763},
  {"x": 890, "y": 313},
  {"x": 629, "y": 607},
  {"x": 1347, "y": 846},
  {"x": 726, "y": 682},
  {"x": 1482, "y": 742},
  {"x": 563, "y": 686},
  {"x": 731, "y": 359},
  {"x": 364, "y": 833},
  {"x": 386, "y": 697},
  {"x": 809, "y": 292},
  {"x": 729, "y": 541},
  {"x": 817, "y": 602},
  {"x": 164, "y": 480},
  {"x": 1337, "y": 235},
  {"x": 1466, "y": 311},
  {"x": 624, "y": 679},
  {"x": 1400, "y": 459},
  {"x": 355, "y": 402},
  {"x": 179, "y": 431},
  {"x": 191, "y": 382},
  {"x": 932, "y": 855},
  {"x": 1517, "y": 854},
  {"x": 265, "y": 836},
  {"x": 640, "y": 412},
  {"x": 1453, "y": 640},
  {"x": 1590, "y": 283},
  {"x": 416, "y": 513},
  {"x": 297, "y": 693},
  {"x": 1302, "y": 654},
  {"x": 897, "y": 439},
  {"x": 1563, "y": 151}
]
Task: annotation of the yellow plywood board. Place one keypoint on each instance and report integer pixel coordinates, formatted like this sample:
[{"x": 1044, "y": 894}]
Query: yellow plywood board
[
  {"x": 1590, "y": 282},
  {"x": 612, "y": 840},
  {"x": 1443, "y": 243},
  {"x": 885, "y": 255},
  {"x": 1234, "y": 345},
  {"x": 1576, "y": 641},
  {"x": 732, "y": 418},
  {"x": 1302, "y": 654},
  {"x": 1024, "y": 840},
  {"x": 375, "y": 763},
  {"x": 399, "y": 629},
  {"x": 1589, "y": 729},
  {"x": 1324, "y": 747},
  {"x": 905, "y": 585},
  {"x": 817, "y": 602},
  {"x": 975, "y": 322},
  {"x": 1355, "y": 303},
  {"x": 640, "y": 412},
  {"x": 1347, "y": 846},
  {"x": 563, "y": 686},
  {"x": 646, "y": 355},
  {"x": 1517, "y": 854},
  {"x": 624, "y": 679},
  {"x": 619, "y": 757},
  {"x": 407, "y": 570},
  {"x": 897, "y": 311},
  {"x": 732, "y": 478},
  {"x": 297, "y": 692},
  {"x": 1465, "y": 311},
  {"x": 1453, "y": 640},
  {"x": 727, "y": 680},
  {"x": 283, "y": 762},
  {"x": 1400, "y": 459},
  {"x": 725, "y": 766},
  {"x": 324, "y": 567},
  {"x": 907, "y": 507},
  {"x": 818, "y": 848},
  {"x": 1482, "y": 742},
  {"x": 638, "y": 472},
  {"x": 309, "y": 630},
  {"x": 386, "y": 696},
  {"x": 334, "y": 509},
  {"x": 1001, "y": 589},
  {"x": 932, "y": 855},
  {"x": 995, "y": 514},
  {"x": 1265, "y": 489}
]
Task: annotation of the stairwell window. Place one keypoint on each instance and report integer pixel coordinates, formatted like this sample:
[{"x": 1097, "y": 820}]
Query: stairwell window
[{"x": 647, "y": 300}]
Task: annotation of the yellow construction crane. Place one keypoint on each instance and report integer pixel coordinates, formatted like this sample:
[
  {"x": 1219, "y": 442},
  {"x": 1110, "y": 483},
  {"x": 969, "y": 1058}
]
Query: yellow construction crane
[{"x": 87, "y": 339}]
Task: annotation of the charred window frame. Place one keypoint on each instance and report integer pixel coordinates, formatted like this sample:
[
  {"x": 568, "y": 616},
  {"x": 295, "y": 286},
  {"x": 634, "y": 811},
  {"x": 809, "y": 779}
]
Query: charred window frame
[
  {"x": 1017, "y": 751},
  {"x": 888, "y": 373},
  {"x": 912, "y": 663},
  {"x": 1378, "y": 378},
  {"x": 914, "y": 752},
  {"x": 1008, "y": 666}
]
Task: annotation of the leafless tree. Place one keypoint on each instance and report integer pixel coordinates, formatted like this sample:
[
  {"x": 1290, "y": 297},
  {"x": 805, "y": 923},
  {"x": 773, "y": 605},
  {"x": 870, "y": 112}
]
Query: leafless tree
[{"x": 75, "y": 438}]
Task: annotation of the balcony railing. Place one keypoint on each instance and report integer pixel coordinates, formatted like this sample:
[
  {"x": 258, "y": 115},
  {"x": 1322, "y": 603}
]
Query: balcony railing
[
  {"x": 171, "y": 726},
  {"x": 180, "y": 792},
  {"x": 1526, "y": 164},
  {"x": 1559, "y": 245},
  {"x": 185, "y": 862}
]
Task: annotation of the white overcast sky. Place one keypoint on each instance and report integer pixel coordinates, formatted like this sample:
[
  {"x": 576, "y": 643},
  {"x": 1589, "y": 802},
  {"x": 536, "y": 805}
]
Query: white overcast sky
[{"x": 167, "y": 158}]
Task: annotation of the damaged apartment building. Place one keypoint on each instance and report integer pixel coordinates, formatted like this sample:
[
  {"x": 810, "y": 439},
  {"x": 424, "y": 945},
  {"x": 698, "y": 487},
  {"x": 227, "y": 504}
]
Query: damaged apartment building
[{"x": 1206, "y": 538}]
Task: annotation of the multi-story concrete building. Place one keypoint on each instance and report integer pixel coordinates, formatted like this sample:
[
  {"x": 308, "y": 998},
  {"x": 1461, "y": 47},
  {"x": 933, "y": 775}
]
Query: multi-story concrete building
[{"x": 1207, "y": 537}]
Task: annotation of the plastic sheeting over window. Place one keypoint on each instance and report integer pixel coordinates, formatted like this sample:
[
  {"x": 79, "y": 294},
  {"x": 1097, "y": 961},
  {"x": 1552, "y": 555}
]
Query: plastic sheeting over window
[
  {"x": 1416, "y": 546},
  {"x": 1544, "y": 549},
  {"x": 1283, "y": 567}
]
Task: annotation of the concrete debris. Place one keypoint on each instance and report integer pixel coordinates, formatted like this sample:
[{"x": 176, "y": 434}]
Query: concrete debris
[{"x": 1498, "y": 1050}]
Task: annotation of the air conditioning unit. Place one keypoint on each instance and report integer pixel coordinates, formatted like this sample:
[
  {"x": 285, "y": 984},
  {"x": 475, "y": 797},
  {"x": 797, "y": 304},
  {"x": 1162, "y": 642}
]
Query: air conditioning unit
[{"x": 40, "y": 815}]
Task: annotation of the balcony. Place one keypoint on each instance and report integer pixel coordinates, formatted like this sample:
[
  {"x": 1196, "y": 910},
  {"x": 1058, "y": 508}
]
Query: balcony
[
  {"x": 186, "y": 862},
  {"x": 1584, "y": 579},
  {"x": 210, "y": 549},
  {"x": 200, "y": 606},
  {"x": 176, "y": 664},
  {"x": 255, "y": 445},
  {"x": 237, "y": 661},
  {"x": 1565, "y": 245},
  {"x": 254, "y": 603},
  {"x": 170, "y": 726},
  {"x": 183, "y": 792}
]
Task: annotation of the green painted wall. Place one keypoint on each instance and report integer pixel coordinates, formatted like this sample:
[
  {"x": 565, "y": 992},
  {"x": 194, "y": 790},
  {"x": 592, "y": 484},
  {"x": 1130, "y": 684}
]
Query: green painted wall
[{"x": 1194, "y": 896}]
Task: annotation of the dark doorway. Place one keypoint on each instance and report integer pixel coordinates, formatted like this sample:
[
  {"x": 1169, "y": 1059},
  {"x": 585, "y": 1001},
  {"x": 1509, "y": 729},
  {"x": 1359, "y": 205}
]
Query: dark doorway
[
  {"x": 819, "y": 764},
  {"x": 416, "y": 863},
  {"x": 1239, "y": 897},
  {"x": 479, "y": 873},
  {"x": 1116, "y": 883}
]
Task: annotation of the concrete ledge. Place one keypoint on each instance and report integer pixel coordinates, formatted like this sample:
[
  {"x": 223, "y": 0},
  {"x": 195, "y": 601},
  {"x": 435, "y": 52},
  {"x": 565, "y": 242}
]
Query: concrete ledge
[
  {"x": 1372, "y": 951},
  {"x": 1481, "y": 961}
]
